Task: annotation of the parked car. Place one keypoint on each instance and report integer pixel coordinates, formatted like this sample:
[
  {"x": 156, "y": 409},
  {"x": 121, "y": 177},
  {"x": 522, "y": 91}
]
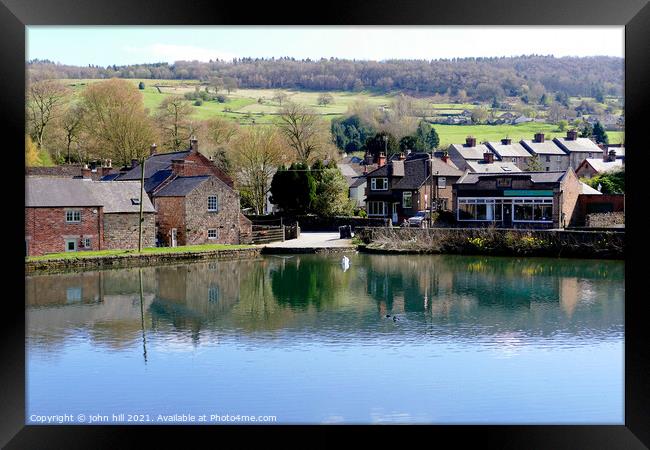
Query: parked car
[{"x": 420, "y": 219}]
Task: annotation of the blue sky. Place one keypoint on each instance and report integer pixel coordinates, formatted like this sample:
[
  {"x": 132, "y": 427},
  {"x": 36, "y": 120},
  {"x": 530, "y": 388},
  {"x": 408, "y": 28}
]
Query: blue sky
[{"x": 104, "y": 45}]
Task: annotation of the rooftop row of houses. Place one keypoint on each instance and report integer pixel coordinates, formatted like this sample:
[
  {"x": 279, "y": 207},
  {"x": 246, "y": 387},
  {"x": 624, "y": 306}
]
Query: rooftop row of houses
[
  {"x": 488, "y": 183},
  {"x": 554, "y": 155},
  {"x": 188, "y": 201}
]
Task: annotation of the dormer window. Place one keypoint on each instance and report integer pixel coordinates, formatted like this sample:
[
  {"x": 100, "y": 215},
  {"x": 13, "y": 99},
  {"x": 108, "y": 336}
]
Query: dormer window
[{"x": 379, "y": 184}]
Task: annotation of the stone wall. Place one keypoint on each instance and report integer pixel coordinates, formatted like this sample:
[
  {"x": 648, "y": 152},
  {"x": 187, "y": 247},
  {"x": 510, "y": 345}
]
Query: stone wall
[
  {"x": 46, "y": 229},
  {"x": 121, "y": 230},
  {"x": 604, "y": 220},
  {"x": 198, "y": 219},
  {"x": 494, "y": 241},
  {"x": 316, "y": 223}
]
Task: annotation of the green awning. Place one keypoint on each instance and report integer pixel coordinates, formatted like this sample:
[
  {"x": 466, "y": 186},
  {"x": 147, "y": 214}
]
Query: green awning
[{"x": 528, "y": 193}]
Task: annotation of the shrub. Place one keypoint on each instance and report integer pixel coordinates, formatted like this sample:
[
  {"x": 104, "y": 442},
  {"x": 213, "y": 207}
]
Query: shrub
[
  {"x": 141, "y": 85},
  {"x": 198, "y": 102},
  {"x": 221, "y": 98}
]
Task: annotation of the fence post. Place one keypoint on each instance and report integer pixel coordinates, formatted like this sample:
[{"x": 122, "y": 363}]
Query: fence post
[{"x": 284, "y": 232}]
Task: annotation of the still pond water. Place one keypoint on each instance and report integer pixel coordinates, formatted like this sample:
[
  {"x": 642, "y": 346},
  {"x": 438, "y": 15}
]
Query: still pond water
[{"x": 477, "y": 340}]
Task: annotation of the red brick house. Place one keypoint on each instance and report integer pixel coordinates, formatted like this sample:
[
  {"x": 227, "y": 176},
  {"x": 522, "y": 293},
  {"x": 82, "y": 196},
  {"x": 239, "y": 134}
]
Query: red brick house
[
  {"x": 68, "y": 214},
  {"x": 194, "y": 199}
]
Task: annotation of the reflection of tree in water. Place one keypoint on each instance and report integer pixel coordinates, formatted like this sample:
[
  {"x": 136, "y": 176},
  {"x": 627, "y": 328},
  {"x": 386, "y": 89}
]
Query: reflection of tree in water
[{"x": 307, "y": 280}]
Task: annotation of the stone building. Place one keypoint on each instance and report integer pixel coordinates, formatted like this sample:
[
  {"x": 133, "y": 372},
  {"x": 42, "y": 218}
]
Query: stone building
[
  {"x": 185, "y": 187},
  {"x": 507, "y": 151},
  {"x": 460, "y": 154},
  {"x": 69, "y": 214},
  {"x": 552, "y": 158},
  {"x": 578, "y": 148}
]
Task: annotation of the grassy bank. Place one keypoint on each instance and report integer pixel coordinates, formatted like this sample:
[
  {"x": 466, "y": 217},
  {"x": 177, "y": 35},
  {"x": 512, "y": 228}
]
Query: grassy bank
[{"x": 145, "y": 251}]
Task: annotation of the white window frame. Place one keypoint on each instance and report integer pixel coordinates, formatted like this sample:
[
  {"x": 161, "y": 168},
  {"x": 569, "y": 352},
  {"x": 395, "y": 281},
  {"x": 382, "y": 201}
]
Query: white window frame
[
  {"x": 383, "y": 208},
  {"x": 74, "y": 212},
  {"x": 87, "y": 242},
  {"x": 559, "y": 158},
  {"x": 373, "y": 184},
  {"x": 500, "y": 201},
  {"x": 216, "y": 202},
  {"x": 216, "y": 233},
  {"x": 407, "y": 195},
  {"x": 442, "y": 182}
]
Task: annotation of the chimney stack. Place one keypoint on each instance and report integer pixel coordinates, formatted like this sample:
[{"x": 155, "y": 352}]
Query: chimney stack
[
  {"x": 178, "y": 167},
  {"x": 152, "y": 149},
  {"x": 194, "y": 144},
  {"x": 506, "y": 141},
  {"x": 85, "y": 172},
  {"x": 368, "y": 159},
  {"x": 571, "y": 135},
  {"x": 134, "y": 162},
  {"x": 402, "y": 156},
  {"x": 539, "y": 137},
  {"x": 381, "y": 161},
  {"x": 445, "y": 157},
  {"x": 470, "y": 141},
  {"x": 612, "y": 155},
  {"x": 488, "y": 157}
]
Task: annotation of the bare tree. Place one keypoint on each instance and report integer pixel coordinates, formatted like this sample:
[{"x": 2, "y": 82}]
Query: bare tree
[
  {"x": 256, "y": 153},
  {"x": 325, "y": 99},
  {"x": 279, "y": 96},
  {"x": 44, "y": 101},
  {"x": 173, "y": 120},
  {"x": 304, "y": 132},
  {"x": 71, "y": 127},
  {"x": 116, "y": 120}
]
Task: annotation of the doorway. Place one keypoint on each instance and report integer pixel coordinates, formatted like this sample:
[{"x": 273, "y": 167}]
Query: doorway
[
  {"x": 70, "y": 245},
  {"x": 507, "y": 215}
]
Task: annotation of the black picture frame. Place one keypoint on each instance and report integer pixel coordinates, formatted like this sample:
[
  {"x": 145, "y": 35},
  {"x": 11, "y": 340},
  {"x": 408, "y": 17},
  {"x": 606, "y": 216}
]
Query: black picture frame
[{"x": 634, "y": 15}]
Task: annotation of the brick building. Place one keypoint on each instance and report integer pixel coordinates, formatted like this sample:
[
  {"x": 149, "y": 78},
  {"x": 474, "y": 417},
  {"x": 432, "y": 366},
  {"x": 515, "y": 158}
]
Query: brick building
[
  {"x": 68, "y": 214},
  {"x": 517, "y": 200},
  {"x": 194, "y": 199}
]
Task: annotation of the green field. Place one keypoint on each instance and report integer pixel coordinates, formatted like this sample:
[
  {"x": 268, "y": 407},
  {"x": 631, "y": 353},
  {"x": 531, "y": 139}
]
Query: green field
[
  {"x": 248, "y": 106},
  {"x": 456, "y": 134}
]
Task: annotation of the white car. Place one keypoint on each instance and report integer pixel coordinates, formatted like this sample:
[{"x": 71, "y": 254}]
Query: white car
[{"x": 419, "y": 219}]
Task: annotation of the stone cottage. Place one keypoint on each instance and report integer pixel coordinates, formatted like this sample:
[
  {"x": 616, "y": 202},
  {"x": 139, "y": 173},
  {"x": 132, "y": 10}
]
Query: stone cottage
[{"x": 195, "y": 200}]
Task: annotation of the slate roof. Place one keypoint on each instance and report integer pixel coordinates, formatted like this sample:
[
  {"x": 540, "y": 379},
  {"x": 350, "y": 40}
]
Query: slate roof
[
  {"x": 469, "y": 153},
  {"x": 116, "y": 196},
  {"x": 588, "y": 190},
  {"x": 76, "y": 192},
  {"x": 542, "y": 148},
  {"x": 416, "y": 173},
  {"x": 154, "y": 181},
  {"x": 357, "y": 181},
  {"x": 514, "y": 149},
  {"x": 601, "y": 166},
  {"x": 495, "y": 167},
  {"x": 535, "y": 177},
  {"x": 160, "y": 161},
  {"x": 181, "y": 186},
  {"x": 578, "y": 145}
]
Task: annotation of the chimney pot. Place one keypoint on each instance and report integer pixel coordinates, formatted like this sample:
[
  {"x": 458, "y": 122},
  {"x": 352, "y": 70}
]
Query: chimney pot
[
  {"x": 506, "y": 141},
  {"x": 539, "y": 137},
  {"x": 470, "y": 141},
  {"x": 381, "y": 161},
  {"x": 445, "y": 157},
  {"x": 85, "y": 171},
  {"x": 402, "y": 156},
  {"x": 194, "y": 144},
  {"x": 571, "y": 135}
]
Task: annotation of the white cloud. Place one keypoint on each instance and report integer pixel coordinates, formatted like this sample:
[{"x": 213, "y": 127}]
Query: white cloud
[{"x": 174, "y": 52}]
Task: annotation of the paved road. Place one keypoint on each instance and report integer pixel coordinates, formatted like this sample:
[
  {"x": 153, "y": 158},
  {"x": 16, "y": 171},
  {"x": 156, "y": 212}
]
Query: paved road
[{"x": 307, "y": 240}]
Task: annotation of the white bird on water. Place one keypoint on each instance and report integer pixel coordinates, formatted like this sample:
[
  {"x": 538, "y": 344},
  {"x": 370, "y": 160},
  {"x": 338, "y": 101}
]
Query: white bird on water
[{"x": 345, "y": 263}]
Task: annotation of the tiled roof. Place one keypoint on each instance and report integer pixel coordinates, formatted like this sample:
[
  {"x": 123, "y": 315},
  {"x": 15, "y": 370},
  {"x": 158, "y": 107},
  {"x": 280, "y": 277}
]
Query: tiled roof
[
  {"x": 495, "y": 167},
  {"x": 543, "y": 148},
  {"x": 63, "y": 192},
  {"x": 514, "y": 149},
  {"x": 535, "y": 177},
  {"x": 578, "y": 145},
  {"x": 153, "y": 164},
  {"x": 181, "y": 186},
  {"x": 471, "y": 152}
]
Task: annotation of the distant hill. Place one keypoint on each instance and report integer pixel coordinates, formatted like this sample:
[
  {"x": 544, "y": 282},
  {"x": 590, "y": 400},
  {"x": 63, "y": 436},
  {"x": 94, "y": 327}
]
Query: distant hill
[{"x": 480, "y": 79}]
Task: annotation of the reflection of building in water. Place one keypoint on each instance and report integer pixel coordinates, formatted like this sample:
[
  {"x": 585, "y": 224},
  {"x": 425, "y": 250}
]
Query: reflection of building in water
[
  {"x": 569, "y": 294},
  {"x": 48, "y": 290}
]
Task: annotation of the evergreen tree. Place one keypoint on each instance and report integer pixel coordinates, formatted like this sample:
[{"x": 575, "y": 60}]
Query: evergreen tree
[
  {"x": 599, "y": 134},
  {"x": 378, "y": 144},
  {"x": 293, "y": 189}
]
